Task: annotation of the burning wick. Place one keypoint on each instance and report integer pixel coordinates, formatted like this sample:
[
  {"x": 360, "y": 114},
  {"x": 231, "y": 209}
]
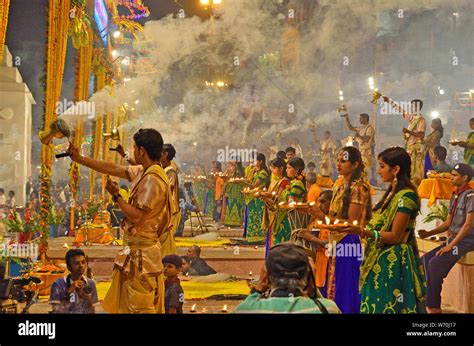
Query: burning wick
[
  {"x": 312, "y": 203},
  {"x": 250, "y": 274},
  {"x": 327, "y": 220},
  {"x": 65, "y": 246},
  {"x": 320, "y": 222},
  {"x": 224, "y": 308},
  {"x": 256, "y": 246},
  {"x": 336, "y": 221},
  {"x": 281, "y": 203},
  {"x": 193, "y": 308},
  {"x": 187, "y": 274},
  {"x": 273, "y": 193},
  {"x": 355, "y": 223}
]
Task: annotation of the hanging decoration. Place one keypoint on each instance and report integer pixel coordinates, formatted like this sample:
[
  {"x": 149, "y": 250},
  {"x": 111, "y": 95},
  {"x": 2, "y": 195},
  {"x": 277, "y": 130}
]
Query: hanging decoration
[
  {"x": 79, "y": 25},
  {"x": 4, "y": 7},
  {"x": 133, "y": 10},
  {"x": 81, "y": 93},
  {"x": 58, "y": 21}
]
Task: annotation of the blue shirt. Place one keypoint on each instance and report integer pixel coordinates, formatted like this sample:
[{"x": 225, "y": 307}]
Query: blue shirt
[{"x": 72, "y": 303}]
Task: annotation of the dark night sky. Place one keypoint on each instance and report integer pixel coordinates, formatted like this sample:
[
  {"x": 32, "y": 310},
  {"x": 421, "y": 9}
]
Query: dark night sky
[{"x": 26, "y": 37}]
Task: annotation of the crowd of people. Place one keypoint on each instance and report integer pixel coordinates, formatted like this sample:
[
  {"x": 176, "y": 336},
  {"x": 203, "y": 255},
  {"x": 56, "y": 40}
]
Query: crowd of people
[{"x": 339, "y": 251}]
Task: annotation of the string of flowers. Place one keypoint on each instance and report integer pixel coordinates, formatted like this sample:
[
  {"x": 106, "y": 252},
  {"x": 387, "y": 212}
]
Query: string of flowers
[
  {"x": 56, "y": 44},
  {"x": 81, "y": 88},
  {"x": 4, "y": 8},
  {"x": 79, "y": 25}
]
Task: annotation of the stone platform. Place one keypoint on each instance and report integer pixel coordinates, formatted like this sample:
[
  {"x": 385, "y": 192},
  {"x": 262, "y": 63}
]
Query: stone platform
[{"x": 233, "y": 260}]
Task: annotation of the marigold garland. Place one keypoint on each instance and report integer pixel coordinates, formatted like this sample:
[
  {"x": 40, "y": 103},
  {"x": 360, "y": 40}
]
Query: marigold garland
[
  {"x": 58, "y": 21},
  {"x": 4, "y": 7}
]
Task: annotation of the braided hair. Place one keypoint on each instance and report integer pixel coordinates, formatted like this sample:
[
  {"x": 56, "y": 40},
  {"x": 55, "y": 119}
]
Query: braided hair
[{"x": 396, "y": 156}]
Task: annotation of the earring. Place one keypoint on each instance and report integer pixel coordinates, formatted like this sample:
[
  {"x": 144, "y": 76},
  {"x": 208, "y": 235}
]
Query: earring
[{"x": 395, "y": 180}]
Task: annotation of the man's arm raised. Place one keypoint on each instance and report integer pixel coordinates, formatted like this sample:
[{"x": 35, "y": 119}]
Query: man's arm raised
[{"x": 99, "y": 166}]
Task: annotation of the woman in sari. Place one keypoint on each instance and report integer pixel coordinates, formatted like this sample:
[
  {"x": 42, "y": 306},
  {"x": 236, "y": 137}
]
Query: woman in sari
[
  {"x": 350, "y": 202},
  {"x": 254, "y": 211},
  {"x": 210, "y": 204},
  {"x": 274, "y": 220},
  {"x": 233, "y": 195},
  {"x": 392, "y": 278},
  {"x": 432, "y": 141}
]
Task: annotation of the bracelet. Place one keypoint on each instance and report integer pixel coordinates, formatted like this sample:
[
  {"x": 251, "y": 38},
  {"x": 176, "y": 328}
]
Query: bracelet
[{"x": 376, "y": 236}]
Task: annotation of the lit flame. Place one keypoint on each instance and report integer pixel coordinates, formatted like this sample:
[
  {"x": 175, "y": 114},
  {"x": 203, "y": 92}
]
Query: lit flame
[
  {"x": 66, "y": 246},
  {"x": 319, "y": 222},
  {"x": 327, "y": 220},
  {"x": 224, "y": 308},
  {"x": 193, "y": 308},
  {"x": 312, "y": 203},
  {"x": 281, "y": 203},
  {"x": 250, "y": 274},
  {"x": 336, "y": 221},
  {"x": 273, "y": 193},
  {"x": 355, "y": 223}
]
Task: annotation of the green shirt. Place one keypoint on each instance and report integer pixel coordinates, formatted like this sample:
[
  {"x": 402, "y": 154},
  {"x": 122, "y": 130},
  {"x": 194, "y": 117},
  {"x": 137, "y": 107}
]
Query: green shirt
[{"x": 254, "y": 304}]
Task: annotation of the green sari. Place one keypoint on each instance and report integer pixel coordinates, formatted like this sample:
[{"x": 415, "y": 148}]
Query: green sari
[
  {"x": 235, "y": 206},
  {"x": 255, "y": 208},
  {"x": 200, "y": 193},
  {"x": 210, "y": 199},
  {"x": 297, "y": 193},
  {"x": 392, "y": 278}
]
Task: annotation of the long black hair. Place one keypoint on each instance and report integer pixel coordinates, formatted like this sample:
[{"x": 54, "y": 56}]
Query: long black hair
[
  {"x": 396, "y": 156},
  {"x": 440, "y": 126},
  {"x": 261, "y": 157},
  {"x": 298, "y": 164},
  {"x": 354, "y": 156},
  {"x": 279, "y": 163},
  {"x": 239, "y": 168}
]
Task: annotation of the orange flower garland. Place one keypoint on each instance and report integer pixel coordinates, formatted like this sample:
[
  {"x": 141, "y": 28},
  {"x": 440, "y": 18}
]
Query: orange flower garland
[
  {"x": 4, "y": 7},
  {"x": 81, "y": 93},
  {"x": 58, "y": 21}
]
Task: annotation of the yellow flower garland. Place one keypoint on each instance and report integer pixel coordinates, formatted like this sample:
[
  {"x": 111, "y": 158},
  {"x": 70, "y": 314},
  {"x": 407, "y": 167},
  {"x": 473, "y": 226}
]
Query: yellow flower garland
[
  {"x": 4, "y": 7},
  {"x": 58, "y": 21}
]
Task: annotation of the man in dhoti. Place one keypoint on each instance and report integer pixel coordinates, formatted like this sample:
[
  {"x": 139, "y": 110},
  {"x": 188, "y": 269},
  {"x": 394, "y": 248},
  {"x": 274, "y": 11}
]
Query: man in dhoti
[
  {"x": 137, "y": 280},
  {"x": 413, "y": 136},
  {"x": 168, "y": 245},
  {"x": 328, "y": 150},
  {"x": 365, "y": 136}
]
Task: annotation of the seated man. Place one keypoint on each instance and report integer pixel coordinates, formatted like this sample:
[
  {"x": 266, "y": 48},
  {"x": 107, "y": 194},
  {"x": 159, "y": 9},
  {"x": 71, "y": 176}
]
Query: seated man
[
  {"x": 287, "y": 279},
  {"x": 75, "y": 293},
  {"x": 198, "y": 266},
  {"x": 460, "y": 227},
  {"x": 440, "y": 165}
]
